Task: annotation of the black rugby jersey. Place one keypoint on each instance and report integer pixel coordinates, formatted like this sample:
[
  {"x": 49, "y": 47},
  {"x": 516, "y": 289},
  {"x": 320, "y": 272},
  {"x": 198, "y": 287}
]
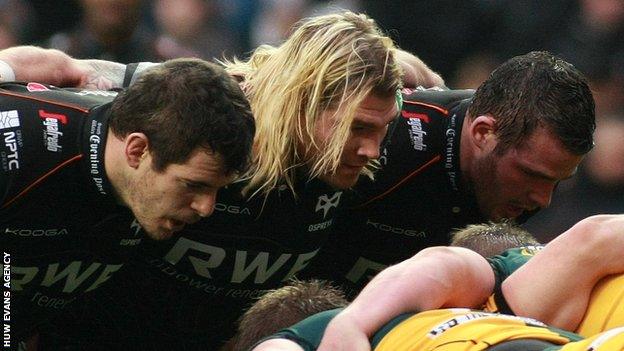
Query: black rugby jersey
[
  {"x": 61, "y": 228},
  {"x": 417, "y": 196},
  {"x": 187, "y": 293}
]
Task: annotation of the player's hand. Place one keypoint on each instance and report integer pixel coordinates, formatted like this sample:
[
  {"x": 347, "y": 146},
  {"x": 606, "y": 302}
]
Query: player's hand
[
  {"x": 97, "y": 74},
  {"x": 50, "y": 66},
  {"x": 416, "y": 73},
  {"x": 344, "y": 333}
]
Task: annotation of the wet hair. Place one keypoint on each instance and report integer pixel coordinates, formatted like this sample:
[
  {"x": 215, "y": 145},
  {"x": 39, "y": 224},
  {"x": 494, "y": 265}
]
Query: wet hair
[
  {"x": 283, "y": 307},
  {"x": 490, "y": 239},
  {"x": 329, "y": 62},
  {"x": 537, "y": 90},
  {"x": 185, "y": 104}
]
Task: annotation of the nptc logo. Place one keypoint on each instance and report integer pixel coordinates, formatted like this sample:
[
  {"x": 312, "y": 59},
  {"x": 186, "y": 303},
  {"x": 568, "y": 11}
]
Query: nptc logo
[
  {"x": 324, "y": 203},
  {"x": 9, "y": 119}
]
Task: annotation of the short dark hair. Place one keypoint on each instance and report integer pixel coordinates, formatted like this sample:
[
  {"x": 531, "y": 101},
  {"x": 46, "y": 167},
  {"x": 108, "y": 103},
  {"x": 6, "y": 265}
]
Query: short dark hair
[
  {"x": 538, "y": 90},
  {"x": 283, "y": 307},
  {"x": 184, "y": 104},
  {"x": 490, "y": 239}
]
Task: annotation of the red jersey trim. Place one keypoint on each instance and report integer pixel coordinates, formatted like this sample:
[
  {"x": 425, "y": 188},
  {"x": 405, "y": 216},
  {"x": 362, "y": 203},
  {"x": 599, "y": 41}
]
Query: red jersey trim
[
  {"x": 402, "y": 181},
  {"x": 72, "y": 106},
  {"x": 437, "y": 108},
  {"x": 41, "y": 179}
]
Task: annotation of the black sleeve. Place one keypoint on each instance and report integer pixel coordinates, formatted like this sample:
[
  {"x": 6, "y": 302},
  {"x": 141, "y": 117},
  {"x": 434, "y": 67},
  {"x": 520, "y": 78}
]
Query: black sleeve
[
  {"x": 130, "y": 70},
  {"x": 134, "y": 71}
]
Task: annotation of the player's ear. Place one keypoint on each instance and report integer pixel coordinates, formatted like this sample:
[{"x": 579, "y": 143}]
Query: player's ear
[
  {"x": 136, "y": 148},
  {"x": 482, "y": 133}
]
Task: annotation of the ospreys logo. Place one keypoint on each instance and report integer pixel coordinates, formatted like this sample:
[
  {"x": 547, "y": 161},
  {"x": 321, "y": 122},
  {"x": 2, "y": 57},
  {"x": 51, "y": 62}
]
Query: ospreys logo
[
  {"x": 325, "y": 203},
  {"x": 136, "y": 226}
]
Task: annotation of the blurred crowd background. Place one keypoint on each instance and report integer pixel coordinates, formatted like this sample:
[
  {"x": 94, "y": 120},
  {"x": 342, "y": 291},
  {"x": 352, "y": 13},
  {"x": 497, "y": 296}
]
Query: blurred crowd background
[{"x": 461, "y": 39}]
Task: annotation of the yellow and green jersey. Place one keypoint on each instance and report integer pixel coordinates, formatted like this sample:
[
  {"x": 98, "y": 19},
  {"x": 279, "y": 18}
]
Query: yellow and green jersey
[
  {"x": 605, "y": 310},
  {"x": 456, "y": 329},
  {"x": 611, "y": 340},
  {"x": 465, "y": 330}
]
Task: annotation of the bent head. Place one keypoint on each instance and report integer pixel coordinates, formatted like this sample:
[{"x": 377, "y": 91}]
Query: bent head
[
  {"x": 490, "y": 239},
  {"x": 529, "y": 126},
  {"x": 368, "y": 127},
  {"x": 187, "y": 130},
  {"x": 164, "y": 201},
  {"x": 322, "y": 99},
  {"x": 283, "y": 307}
]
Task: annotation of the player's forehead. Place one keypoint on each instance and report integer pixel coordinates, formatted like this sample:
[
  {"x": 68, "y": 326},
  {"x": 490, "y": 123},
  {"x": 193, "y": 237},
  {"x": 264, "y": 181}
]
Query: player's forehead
[
  {"x": 376, "y": 110},
  {"x": 203, "y": 166},
  {"x": 543, "y": 154}
]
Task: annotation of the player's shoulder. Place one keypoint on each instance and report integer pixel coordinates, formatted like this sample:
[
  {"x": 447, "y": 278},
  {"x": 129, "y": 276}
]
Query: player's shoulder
[
  {"x": 434, "y": 98},
  {"x": 72, "y": 98}
]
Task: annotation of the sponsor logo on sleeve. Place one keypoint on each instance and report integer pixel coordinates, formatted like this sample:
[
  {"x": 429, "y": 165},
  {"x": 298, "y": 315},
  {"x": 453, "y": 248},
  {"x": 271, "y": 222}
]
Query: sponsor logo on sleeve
[
  {"x": 417, "y": 134},
  {"x": 52, "y": 133}
]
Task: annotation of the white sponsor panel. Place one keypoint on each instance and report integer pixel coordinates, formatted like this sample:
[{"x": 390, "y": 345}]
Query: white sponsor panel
[{"x": 9, "y": 119}]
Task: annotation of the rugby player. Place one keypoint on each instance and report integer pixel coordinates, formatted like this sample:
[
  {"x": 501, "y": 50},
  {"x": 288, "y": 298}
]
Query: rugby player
[
  {"x": 574, "y": 283},
  {"x": 82, "y": 171}
]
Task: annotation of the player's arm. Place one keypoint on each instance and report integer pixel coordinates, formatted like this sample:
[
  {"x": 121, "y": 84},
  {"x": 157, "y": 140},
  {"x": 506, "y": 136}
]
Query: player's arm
[
  {"x": 434, "y": 278},
  {"x": 278, "y": 345},
  {"x": 416, "y": 72},
  {"x": 562, "y": 276},
  {"x": 49, "y": 66}
]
